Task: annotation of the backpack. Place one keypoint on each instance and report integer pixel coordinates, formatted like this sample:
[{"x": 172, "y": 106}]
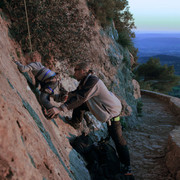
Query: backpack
[{"x": 102, "y": 160}]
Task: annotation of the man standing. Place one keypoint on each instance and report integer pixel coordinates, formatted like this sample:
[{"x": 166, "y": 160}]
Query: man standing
[{"x": 93, "y": 95}]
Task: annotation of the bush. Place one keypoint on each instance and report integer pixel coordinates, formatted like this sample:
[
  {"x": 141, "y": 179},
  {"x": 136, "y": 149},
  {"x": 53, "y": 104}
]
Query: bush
[
  {"x": 123, "y": 122},
  {"x": 139, "y": 108},
  {"x": 175, "y": 91},
  {"x": 58, "y": 28},
  {"x": 117, "y": 11},
  {"x": 103, "y": 10},
  {"x": 153, "y": 76},
  {"x": 107, "y": 11},
  {"x": 125, "y": 39}
]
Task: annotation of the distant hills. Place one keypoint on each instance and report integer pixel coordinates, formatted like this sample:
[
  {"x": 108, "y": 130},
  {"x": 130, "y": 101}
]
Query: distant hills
[
  {"x": 166, "y": 47},
  {"x": 154, "y": 44}
]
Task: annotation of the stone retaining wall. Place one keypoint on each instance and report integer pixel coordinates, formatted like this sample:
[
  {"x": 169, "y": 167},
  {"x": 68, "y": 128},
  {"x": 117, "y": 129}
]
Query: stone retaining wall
[{"x": 173, "y": 149}]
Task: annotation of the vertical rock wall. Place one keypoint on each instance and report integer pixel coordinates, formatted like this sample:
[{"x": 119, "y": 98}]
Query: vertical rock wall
[{"x": 31, "y": 147}]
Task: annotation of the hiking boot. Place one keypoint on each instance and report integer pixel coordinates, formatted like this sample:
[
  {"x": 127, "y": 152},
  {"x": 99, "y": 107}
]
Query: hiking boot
[{"x": 73, "y": 124}]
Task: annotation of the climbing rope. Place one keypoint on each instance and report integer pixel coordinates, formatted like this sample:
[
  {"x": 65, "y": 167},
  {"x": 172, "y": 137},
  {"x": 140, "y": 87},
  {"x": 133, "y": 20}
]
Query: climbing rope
[{"x": 28, "y": 26}]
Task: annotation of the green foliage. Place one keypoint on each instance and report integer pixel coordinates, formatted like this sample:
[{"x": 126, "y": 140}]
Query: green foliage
[
  {"x": 3, "y": 15},
  {"x": 126, "y": 61},
  {"x": 117, "y": 11},
  {"x": 125, "y": 39},
  {"x": 139, "y": 108},
  {"x": 18, "y": 53},
  {"x": 154, "y": 76},
  {"x": 106, "y": 10},
  {"x": 145, "y": 85},
  {"x": 123, "y": 122},
  {"x": 103, "y": 10},
  {"x": 124, "y": 21},
  {"x": 175, "y": 91},
  {"x": 58, "y": 28}
]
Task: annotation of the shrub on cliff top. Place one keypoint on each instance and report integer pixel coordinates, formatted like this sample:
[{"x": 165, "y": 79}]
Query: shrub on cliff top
[
  {"x": 107, "y": 11},
  {"x": 57, "y": 28}
]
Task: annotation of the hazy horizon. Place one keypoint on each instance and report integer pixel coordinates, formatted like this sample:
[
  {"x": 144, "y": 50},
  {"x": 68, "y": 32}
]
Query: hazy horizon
[
  {"x": 157, "y": 43},
  {"x": 155, "y": 32}
]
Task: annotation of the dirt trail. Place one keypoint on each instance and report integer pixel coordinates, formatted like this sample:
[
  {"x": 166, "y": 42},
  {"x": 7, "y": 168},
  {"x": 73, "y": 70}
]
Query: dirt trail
[{"x": 147, "y": 142}]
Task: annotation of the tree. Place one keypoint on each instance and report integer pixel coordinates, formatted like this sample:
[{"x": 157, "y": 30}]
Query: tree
[
  {"x": 152, "y": 75},
  {"x": 107, "y": 11}
]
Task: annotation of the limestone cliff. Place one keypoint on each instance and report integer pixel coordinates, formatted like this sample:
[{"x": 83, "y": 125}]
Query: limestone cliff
[{"x": 32, "y": 147}]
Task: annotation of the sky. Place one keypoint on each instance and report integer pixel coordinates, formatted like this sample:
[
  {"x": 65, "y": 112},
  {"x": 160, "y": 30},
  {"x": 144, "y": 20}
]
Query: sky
[{"x": 156, "y": 15}]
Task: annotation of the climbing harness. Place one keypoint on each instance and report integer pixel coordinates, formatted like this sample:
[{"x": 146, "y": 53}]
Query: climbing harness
[{"x": 116, "y": 118}]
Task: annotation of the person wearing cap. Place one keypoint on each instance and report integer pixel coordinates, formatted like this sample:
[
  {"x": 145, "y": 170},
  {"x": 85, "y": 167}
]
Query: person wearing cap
[
  {"x": 93, "y": 95},
  {"x": 43, "y": 76}
]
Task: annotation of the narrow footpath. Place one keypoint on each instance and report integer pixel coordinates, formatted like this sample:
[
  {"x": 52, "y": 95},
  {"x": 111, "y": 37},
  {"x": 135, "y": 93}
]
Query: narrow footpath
[{"x": 148, "y": 141}]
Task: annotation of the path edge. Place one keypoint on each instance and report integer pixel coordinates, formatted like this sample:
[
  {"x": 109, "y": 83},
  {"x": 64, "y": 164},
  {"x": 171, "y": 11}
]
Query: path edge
[{"x": 172, "y": 157}]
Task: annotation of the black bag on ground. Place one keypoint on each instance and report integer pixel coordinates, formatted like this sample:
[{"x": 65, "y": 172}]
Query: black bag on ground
[{"x": 102, "y": 160}]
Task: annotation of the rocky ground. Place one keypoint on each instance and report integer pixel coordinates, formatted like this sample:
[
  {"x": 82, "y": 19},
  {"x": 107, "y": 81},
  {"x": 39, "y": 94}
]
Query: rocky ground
[{"x": 148, "y": 141}]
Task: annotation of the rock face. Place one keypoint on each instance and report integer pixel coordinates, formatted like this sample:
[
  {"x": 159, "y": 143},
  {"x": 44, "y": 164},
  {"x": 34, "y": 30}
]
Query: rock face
[
  {"x": 137, "y": 93},
  {"x": 32, "y": 147},
  {"x": 173, "y": 153}
]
